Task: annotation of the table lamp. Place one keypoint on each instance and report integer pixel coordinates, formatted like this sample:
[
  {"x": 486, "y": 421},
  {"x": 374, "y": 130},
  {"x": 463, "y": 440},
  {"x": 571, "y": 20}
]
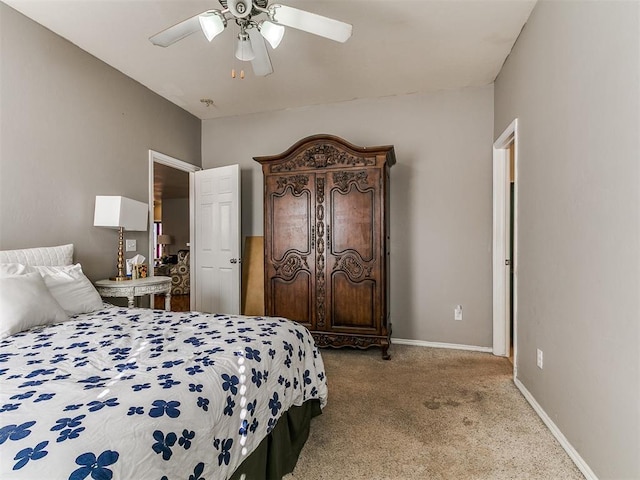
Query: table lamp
[
  {"x": 123, "y": 214},
  {"x": 164, "y": 240}
]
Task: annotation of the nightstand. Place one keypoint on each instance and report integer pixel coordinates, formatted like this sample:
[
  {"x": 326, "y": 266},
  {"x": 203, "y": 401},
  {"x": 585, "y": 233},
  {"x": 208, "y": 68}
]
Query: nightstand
[{"x": 136, "y": 288}]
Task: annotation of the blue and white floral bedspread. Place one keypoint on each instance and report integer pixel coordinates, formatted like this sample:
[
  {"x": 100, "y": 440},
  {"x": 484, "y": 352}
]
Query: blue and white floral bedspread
[{"x": 145, "y": 394}]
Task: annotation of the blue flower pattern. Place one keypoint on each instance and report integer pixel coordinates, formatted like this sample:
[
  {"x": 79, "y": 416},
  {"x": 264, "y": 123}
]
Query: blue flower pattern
[
  {"x": 164, "y": 443},
  {"x": 185, "y": 439},
  {"x": 93, "y": 466},
  {"x": 26, "y": 454},
  {"x": 15, "y": 432},
  {"x": 169, "y": 390},
  {"x": 160, "y": 407}
]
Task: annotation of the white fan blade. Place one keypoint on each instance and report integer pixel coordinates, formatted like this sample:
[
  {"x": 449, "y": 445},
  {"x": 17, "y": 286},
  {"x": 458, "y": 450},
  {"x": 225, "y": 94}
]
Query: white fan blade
[
  {"x": 261, "y": 63},
  {"x": 310, "y": 22},
  {"x": 177, "y": 32}
]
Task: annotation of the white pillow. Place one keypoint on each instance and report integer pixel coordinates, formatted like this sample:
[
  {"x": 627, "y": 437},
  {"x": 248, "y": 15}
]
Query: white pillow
[
  {"x": 12, "y": 269},
  {"x": 69, "y": 286},
  {"x": 25, "y": 302},
  {"x": 60, "y": 255}
]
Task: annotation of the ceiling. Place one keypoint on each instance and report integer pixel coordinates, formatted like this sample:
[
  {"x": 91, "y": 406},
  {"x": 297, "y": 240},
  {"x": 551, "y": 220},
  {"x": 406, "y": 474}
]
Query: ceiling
[
  {"x": 398, "y": 47},
  {"x": 169, "y": 183}
]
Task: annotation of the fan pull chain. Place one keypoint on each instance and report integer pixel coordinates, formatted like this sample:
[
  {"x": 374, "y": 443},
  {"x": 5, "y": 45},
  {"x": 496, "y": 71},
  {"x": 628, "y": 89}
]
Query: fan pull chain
[{"x": 233, "y": 70}]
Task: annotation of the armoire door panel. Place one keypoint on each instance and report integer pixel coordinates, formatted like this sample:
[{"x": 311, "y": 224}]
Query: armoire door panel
[
  {"x": 353, "y": 222},
  {"x": 292, "y": 299},
  {"x": 291, "y": 215},
  {"x": 354, "y": 307},
  {"x": 354, "y": 205}
]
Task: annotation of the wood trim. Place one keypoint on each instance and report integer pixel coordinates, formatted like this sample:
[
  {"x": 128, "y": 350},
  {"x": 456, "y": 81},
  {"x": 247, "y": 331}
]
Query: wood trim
[{"x": 303, "y": 144}]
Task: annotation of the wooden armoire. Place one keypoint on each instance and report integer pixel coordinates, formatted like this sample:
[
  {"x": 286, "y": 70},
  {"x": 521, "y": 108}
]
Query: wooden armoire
[{"x": 326, "y": 240}]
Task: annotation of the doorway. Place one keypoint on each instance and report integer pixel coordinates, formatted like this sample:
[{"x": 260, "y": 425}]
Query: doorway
[
  {"x": 171, "y": 226},
  {"x": 505, "y": 223}
]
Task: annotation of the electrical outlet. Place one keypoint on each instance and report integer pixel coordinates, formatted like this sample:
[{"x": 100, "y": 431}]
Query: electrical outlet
[
  {"x": 457, "y": 312},
  {"x": 131, "y": 245},
  {"x": 539, "y": 358}
]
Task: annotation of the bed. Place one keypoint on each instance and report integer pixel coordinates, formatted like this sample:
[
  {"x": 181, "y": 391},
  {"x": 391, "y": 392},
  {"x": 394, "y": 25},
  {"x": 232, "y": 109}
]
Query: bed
[{"x": 147, "y": 394}]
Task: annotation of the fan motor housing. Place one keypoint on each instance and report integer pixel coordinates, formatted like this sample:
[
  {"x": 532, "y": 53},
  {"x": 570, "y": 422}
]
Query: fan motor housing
[
  {"x": 254, "y": 11},
  {"x": 240, "y": 8}
]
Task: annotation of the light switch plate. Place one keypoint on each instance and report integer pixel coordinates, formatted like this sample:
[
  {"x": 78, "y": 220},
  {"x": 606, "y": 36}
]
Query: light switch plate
[
  {"x": 130, "y": 245},
  {"x": 539, "y": 358}
]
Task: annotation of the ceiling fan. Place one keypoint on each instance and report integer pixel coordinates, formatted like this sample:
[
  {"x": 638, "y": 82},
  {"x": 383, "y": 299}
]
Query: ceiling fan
[{"x": 254, "y": 31}]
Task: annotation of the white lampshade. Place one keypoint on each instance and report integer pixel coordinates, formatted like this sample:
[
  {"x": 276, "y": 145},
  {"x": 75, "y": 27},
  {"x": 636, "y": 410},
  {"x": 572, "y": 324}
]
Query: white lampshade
[
  {"x": 116, "y": 212},
  {"x": 244, "y": 51},
  {"x": 212, "y": 24},
  {"x": 271, "y": 32}
]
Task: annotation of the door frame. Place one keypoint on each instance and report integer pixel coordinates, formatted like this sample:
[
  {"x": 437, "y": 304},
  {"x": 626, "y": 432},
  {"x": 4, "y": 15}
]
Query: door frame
[
  {"x": 501, "y": 243},
  {"x": 157, "y": 157}
]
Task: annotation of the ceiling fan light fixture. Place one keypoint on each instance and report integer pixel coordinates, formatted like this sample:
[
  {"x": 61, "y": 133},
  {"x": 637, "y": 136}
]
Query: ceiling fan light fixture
[
  {"x": 244, "y": 51},
  {"x": 254, "y": 34},
  {"x": 271, "y": 32},
  {"x": 212, "y": 23}
]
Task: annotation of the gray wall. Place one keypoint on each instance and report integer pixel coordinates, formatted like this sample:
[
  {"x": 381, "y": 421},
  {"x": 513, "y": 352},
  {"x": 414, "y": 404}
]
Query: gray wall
[
  {"x": 440, "y": 196},
  {"x": 71, "y": 128},
  {"x": 573, "y": 82}
]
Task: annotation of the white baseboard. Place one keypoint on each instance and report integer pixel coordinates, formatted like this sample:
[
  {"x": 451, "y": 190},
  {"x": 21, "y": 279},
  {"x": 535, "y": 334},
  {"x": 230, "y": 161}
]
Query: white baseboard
[
  {"x": 564, "y": 443},
  {"x": 453, "y": 346}
]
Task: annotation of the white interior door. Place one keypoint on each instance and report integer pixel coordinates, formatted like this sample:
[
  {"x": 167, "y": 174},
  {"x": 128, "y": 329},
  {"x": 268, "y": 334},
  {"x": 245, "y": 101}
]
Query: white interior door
[
  {"x": 216, "y": 267},
  {"x": 503, "y": 261}
]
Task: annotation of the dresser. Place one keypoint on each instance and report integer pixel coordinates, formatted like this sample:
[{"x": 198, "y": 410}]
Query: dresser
[{"x": 326, "y": 240}]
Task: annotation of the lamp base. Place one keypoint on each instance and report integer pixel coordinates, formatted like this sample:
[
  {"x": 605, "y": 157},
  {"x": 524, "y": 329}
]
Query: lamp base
[
  {"x": 119, "y": 279},
  {"x": 121, "y": 276}
]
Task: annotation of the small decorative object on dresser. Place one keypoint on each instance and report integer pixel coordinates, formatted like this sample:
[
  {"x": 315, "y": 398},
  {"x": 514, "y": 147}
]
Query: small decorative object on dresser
[
  {"x": 136, "y": 288},
  {"x": 326, "y": 240}
]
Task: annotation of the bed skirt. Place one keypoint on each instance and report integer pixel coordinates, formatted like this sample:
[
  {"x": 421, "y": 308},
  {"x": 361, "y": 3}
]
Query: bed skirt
[{"x": 278, "y": 453}]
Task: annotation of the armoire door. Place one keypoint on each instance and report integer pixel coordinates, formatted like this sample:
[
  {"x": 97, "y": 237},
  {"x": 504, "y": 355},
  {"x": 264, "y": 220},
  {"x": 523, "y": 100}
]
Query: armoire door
[
  {"x": 354, "y": 250},
  {"x": 289, "y": 246}
]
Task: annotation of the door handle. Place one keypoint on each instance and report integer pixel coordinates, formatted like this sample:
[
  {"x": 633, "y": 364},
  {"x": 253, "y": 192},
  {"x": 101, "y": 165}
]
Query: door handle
[{"x": 233, "y": 260}]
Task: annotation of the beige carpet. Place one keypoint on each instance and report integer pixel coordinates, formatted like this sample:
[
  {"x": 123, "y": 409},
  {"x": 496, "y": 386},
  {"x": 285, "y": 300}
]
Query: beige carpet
[{"x": 427, "y": 414}]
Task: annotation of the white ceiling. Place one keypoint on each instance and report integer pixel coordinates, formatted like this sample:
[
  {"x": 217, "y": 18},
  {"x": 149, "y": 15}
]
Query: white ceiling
[{"x": 398, "y": 47}]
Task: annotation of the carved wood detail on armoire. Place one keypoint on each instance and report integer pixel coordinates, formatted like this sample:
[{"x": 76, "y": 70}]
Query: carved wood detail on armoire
[{"x": 326, "y": 240}]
